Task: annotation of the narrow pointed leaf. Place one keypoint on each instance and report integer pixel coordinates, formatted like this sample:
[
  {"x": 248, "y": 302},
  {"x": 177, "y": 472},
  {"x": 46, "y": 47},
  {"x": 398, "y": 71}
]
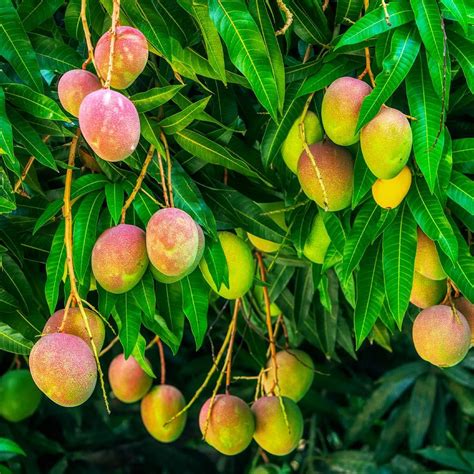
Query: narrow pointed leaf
[{"x": 55, "y": 266}]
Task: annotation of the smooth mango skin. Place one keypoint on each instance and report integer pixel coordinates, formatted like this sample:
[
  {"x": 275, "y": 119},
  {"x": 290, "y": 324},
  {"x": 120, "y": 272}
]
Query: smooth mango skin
[
  {"x": 130, "y": 56},
  {"x": 110, "y": 124},
  {"x": 295, "y": 374},
  {"x": 159, "y": 406},
  {"x": 293, "y": 145},
  {"x": 271, "y": 432},
  {"x": 258, "y": 293},
  {"x": 241, "y": 267},
  {"x": 386, "y": 143},
  {"x": 19, "y": 396},
  {"x": 317, "y": 242},
  {"x": 231, "y": 424},
  {"x": 119, "y": 258},
  {"x": 128, "y": 380},
  {"x": 389, "y": 193},
  {"x": 426, "y": 292},
  {"x": 337, "y": 174},
  {"x": 75, "y": 325},
  {"x": 265, "y": 245},
  {"x": 340, "y": 109},
  {"x": 427, "y": 260},
  {"x": 467, "y": 309},
  {"x": 440, "y": 336},
  {"x": 63, "y": 368},
  {"x": 73, "y": 86}
]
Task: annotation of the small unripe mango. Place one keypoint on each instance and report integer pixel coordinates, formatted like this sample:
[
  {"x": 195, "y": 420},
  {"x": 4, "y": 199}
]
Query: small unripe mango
[
  {"x": 340, "y": 109},
  {"x": 332, "y": 188},
  {"x": 158, "y": 407},
  {"x": 240, "y": 264},
  {"x": 317, "y": 242},
  {"x": 73, "y": 86},
  {"x": 467, "y": 309},
  {"x": 427, "y": 261},
  {"x": 19, "y": 396},
  {"x": 386, "y": 143},
  {"x": 74, "y": 325},
  {"x": 130, "y": 56},
  {"x": 265, "y": 245},
  {"x": 260, "y": 297},
  {"x": 231, "y": 424},
  {"x": 110, "y": 125},
  {"x": 441, "y": 336},
  {"x": 271, "y": 431},
  {"x": 295, "y": 370},
  {"x": 128, "y": 380},
  {"x": 119, "y": 258},
  {"x": 293, "y": 145},
  {"x": 63, "y": 368},
  {"x": 426, "y": 292},
  {"x": 389, "y": 193}
]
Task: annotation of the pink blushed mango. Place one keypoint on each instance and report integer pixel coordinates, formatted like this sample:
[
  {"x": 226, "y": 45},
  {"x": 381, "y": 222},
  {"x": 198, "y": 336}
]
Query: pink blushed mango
[
  {"x": 119, "y": 258},
  {"x": 73, "y": 86},
  {"x": 173, "y": 242},
  {"x": 130, "y": 56},
  {"x": 467, "y": 309},
  {"x": 74, "y": 325},
  {"x": 63, "y": 368},
  {"x": 128, "y": 380},
  {"x": 109, "y": 122}
]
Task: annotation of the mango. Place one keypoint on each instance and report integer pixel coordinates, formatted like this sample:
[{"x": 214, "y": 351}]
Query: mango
[
  {"x": 158, "y": 407},
  {"x": 231, "y": 424},
  {"x": 317, "y": 242},
  {"x": 119, "y": 258},
  {"x": 441, "y": 336},
  {"x": 467, "y": 309},
  {"x": 265, "y": 245},
  {"x": 293, "y": 145},
  {"x": 427, "y": 261},
  {"x": 73, "y": 86},
  {"x": 241, "y": 267},
  {"x": 389, "y": 193},
  {"x": 426, "y": 292},
  {"x": 110, "y": 125},
  {"x": 340, "y": 109},
  {"x": 63, "y": 368},
  {"x": 386, "y": 143},
  {"x": 333, "y": 188},
  {"x": 130, "y": 56}
]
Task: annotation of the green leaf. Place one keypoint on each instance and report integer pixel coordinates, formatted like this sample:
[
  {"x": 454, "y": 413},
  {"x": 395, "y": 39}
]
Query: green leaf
[
  {"x": 216, "y": 262},
  {"x": 55, "y": 266},
  {"x": 430, "y": 216},
  {"x": 33, "y": 102},
  {"x": 138, "y": 354},
  {"x": 363, "y": 179},
  {"x": 404, "y": 50},
  {"x": 195, "y": 304},
  {"x": 428, "y": 20},
  {"x": 130, "y": 317},
  {"x": 457, "y": 8},
  {"x": 246, "y": 48},
  {"x": 114, "y": 197},
  {"x": 29, "y": 138},
  {"x": 463, "y": 51},
  {"x": 310, "y": 23},
  {"x": 449, "y": 457},
  {"x": 12, "y": 341},
  {"x": 302, "y": 220},
  {"x": 171, "y": 326},
  {"x": 461, "y": 272},
  {"x": 348, "y": 10},
  {"x": 85, "y": 233},
  {"x": 179, "y": 121},
  {"x": 421, "y": 409},
  {"x": 7, "y": 199},
  {"x": 154, "y": 98},
  {"x": 10, "y": 447},
  {"x": 106, "y": 301},
  {"x": 425, "y": 105},
  {"x": 369, "y": 293},
  {"x": 304, "y": 293},
  {"x": 399, "y": 249},
  {"x": 16, "y": 48},
  {"x": 35, "y": 12},
  {"x": 374, "y": 23},
  {"x": 463, "y": 149},
  {"x": 461, "y": 191},
  {"x": 144, "y": 294},
  {"x": 6, "y": 134}
]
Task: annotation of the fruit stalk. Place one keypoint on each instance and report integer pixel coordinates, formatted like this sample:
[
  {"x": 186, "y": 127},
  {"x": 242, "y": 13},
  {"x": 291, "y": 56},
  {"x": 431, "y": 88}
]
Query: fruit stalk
[
  {"x": 162, "y": 361},
  {"x": 113, "y": 36},
  {"x": 169, "y": 165},
  {"x": 87, "y": 36},
  {"x": 163, "y": 181}
]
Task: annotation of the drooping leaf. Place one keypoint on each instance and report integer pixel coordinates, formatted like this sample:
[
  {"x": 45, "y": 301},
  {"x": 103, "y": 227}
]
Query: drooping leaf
[
  {"x": 55, "y": 267},
  {"x": 35, "y": 12},
  {"x": 363, "y": 179},
  {"x": 6, "y": 134},
  {"x": 144, "y": 294},
  {"x": 138, "y": 354},
  {"x": 130, "y": 316},
  {"x": 54, "y": 54},
  {"x": 462, "y": 155},
  {"x": 179, "y": 121},
  {"x": 154, "y": 98},
  {"x": 461, "y": 191},
  {"x": 464, "y": 53},
  {"x": 12, "y": 341},
  {"x": 114, "y": 198}
]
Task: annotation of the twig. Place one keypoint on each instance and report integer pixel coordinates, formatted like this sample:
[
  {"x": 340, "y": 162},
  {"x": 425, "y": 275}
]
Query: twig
[
  {"x": 163, "y": 180},
  {"x": 325, "y": 5},
  {"x": 385, "y": 10},
  {"x": 66, "y": 311},
  {"x": 288, "y": 16},
  {"x": 87, "y": 36},
  {"x": 231, "y": 345},
  {"x": 169, "y": 166},
  {"x": 113, "y": 37},
  {"x": 138, "y": 184},
  {"x": 368, "y": 68},
  {"x": 109, "y": 346},
  {"x": 162, "y": 361}
]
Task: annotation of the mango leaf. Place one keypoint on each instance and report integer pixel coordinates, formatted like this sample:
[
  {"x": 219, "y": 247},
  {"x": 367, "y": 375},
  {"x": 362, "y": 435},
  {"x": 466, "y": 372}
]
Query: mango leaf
[
  {"x": 130, "y": 317},
  {"x": 12, "y": 341},
  {"x": 461, "y": 272},
  {"x": 55, "y": 266},
  {"x": 348, "y": 10},
  {"x": 461, "y": 191},
  {"x": 195, "y": 304},
  {"x": 16, "y": 48},
  {"x": 216, "y": 262},
  {"x": 138, "y": 354},
  {"x": 374, "y": 23},
  {"x": 246, "y": 49},
  {"x": 302, "y": 220},
  {"x": 430, "y": 216},
  {"x": 144, "y": 294},
  {"x": 7, "y": 446},
  {"x": 171, "y": 326},
  {"x": 462, "y": 155},
  {"x": 154, "y": 98},
  {"x": 114, "y": 197},
  {"x": 363, "y": 179},
  {"x": 425, "y": 105},
  {"x": 452, "y": 457},
  {"x": 6, "y": 134},
  {"x": 399, "y": 249},
  {"x": 179, "y": 121},
  {"x": 106, "y": 302},
  {"x": 369, "y": 292},
  {"x": 304, "y": 293},
  {"x": 463, "y": 51},
  {"x": 33, "y": 12},
  {"x": 458, "y": 9},
  {"x": 85, "y": 233},
  {"x": 403, "y": 52}
]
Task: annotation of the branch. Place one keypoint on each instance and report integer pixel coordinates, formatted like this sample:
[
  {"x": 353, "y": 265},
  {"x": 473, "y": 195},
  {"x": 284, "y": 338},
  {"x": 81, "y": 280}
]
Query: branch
[
  {"x": 169, "y": 165},
  {"x": 113, "y": 36},
  {"x": 163, "y": 180},
  {"x": 87, "y": 36},
  {"x": 288, "y": 16},
  {"x": 162, "y": 361}
]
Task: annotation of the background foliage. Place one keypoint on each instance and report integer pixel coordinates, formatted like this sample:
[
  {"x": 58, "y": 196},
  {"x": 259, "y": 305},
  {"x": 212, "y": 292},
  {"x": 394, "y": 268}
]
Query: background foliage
[{"x": 225, "y": 91}]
